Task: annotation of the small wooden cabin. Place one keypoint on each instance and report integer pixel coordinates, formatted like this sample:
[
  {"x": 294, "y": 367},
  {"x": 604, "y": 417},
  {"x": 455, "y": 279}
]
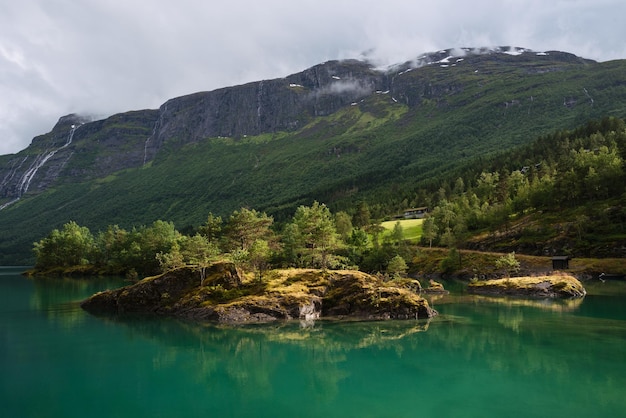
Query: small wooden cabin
[
  {"x": 415, "y": 213},
  {"x": 560, "y": 262}
]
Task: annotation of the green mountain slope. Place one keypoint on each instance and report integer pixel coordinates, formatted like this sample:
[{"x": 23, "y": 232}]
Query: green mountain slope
[
  {"x": 562, "y": 194},
  {"x": 381, "y": 139}
]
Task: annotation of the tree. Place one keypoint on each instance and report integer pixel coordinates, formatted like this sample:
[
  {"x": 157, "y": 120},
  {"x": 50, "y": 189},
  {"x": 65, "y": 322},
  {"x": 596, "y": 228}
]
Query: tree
[
  {"x": 259, "y": 255},
  {"x": 212, "y": 227},
  {"x": 448, "y": 239},
  {"x": 603, "y": 172},
  {"x": 239, "y": 258},
  {"x": 146, "y": 242},
  {"x": 459, "y": 187},
  {"x": 376, "y": 230},
  {"x": 199, "y": 252},
  {"x": 196, "y": 252},
  {"x": 291, "y": 244},
  {"x": 517, "y": 183},
  {"x": 397, "y": 235},
  {"x": 397, "y": 266},
  {"x": 246, "y": 226},
  {"x": 343, "y": 223},
  {"x": 451, "y": 263},
  {"x": 429, "y": 230},
  {"x": 172, "y": 259},
  {"x": 361, "y": 218},
  {"x": 509, "y": 263},
  {"x": 444, "y": 215},
  {"x": 486, "y": 186},
  {"x": 112, "y": 245},
  {"x": 357, "y": 245},
  {"x": 73, "y": 245},
  {"x": 317, "y": 231}
]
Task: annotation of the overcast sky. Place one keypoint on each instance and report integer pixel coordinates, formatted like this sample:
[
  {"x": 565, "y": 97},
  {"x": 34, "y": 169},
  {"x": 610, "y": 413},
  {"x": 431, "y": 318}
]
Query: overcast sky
[{"x": 101, "y": 57}]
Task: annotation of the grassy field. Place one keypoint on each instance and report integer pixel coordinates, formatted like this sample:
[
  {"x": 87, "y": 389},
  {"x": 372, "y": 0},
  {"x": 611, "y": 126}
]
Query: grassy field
[{"x": 411, "y": 228}]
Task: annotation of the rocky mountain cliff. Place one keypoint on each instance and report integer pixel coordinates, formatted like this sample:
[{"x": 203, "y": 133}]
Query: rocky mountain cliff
[{"x": 78, "y": 149}]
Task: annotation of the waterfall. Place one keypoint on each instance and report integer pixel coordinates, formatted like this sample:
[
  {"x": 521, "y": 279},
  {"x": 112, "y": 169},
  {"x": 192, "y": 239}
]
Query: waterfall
[
  {"x": 259, "y": 97},
  {"x": 40, "y": 160},
  {"x": 145, "y": 144},
  {"x": 12, "y": 172},
  {"x": 9, "y": 203},
  {"x": 155, "y": 131},
  {"x": 588, "y": 96}
]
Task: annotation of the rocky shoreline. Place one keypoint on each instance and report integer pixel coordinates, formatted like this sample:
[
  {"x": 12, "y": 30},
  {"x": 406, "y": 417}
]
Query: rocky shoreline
[
  {"x": 226, "y": 296},
  {"x": 555, "y": 286}
]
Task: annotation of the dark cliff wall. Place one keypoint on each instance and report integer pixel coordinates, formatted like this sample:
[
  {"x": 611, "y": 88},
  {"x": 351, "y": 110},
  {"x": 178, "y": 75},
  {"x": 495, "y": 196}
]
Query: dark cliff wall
[
  {"x": 265, "y": 106},
  {"x": 77, "y": 149},
  {"x": 131, "y": 139}
]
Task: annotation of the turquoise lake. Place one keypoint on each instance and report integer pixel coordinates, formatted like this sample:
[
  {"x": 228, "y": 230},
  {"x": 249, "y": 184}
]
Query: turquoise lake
[{"x": 481, "y": 357}]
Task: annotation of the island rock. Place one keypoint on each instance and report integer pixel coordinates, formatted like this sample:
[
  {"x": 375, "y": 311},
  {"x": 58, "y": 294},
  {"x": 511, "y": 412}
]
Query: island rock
[
  {"x": 227, "y": 296},
  {"x": 556, "y": 286},
  {"x": 435, "y": 288}
]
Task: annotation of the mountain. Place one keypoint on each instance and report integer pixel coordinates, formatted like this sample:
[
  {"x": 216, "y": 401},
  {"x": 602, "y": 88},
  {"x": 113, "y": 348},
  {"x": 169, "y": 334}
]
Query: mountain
[{"x": 339, "y": 132}]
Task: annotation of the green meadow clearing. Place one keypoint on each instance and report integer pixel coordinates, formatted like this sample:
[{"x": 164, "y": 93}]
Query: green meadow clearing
[{"x": 411, "y": 228}]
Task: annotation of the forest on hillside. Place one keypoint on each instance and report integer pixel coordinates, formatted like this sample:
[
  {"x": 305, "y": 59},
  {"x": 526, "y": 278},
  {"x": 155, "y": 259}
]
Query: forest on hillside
[
  {"x": 570, "y": 183},
  {"x": 574, "y": 180}
]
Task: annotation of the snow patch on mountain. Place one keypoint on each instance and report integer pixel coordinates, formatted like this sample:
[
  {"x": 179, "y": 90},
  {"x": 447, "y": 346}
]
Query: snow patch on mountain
[{"x": 454, "y": 56}]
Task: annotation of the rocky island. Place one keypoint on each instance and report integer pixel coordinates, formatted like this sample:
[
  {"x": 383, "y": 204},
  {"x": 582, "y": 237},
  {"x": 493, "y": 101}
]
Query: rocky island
[
  {"x": 554, "y": 286},
  {"x": 225, "y": 295}
]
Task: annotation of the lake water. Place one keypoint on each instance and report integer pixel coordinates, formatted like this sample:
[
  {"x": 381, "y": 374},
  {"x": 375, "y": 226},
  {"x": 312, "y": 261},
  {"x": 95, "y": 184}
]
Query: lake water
[{"x": 479, "y": 358}]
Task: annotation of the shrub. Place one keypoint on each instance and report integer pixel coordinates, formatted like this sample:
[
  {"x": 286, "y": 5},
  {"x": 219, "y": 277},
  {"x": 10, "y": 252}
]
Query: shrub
[{"x": 509, "y": 263}]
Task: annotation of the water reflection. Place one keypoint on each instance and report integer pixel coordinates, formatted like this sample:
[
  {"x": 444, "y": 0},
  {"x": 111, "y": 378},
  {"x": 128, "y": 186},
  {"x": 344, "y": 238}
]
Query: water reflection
[
  {"x": 481, "y": 357},
  {"x": 556, "y": 305},
  {"x": 256, "y": 356},
  {"x": 263, "y": 356},
  {"x": 58, "y": 298}
]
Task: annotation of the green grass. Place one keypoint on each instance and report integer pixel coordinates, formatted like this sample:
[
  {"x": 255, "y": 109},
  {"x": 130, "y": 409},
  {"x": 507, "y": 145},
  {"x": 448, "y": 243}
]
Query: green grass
[{"x": 411, "y": 228}]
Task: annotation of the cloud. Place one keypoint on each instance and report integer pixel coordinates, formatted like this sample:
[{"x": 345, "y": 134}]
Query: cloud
[
  {"x": 349, "y": 86},
  {"x": 102, "y": 57}
]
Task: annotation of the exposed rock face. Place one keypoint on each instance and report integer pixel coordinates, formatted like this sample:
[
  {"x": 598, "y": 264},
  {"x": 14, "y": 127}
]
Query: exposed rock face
[
  {"x": 131, "y": 139},
  {"x": 436, "y": 287},
  {"x": 76, "y": 150},
  {"x": 288, "y": 294},
  {"x": 361, "y": 295},
  {"x": 265, "y": 106},
  {"x": 557, "y": 286}
]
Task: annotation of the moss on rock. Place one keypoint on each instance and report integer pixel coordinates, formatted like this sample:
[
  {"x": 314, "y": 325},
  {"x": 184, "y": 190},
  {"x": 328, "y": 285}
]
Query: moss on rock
[
  {"x": 555, "y": 286},
  {"x": 225, "y": 296}
]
